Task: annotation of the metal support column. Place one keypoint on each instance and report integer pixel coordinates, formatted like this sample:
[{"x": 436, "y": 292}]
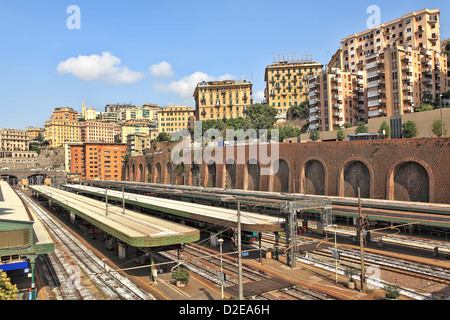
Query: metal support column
[{"x": 277, "y": 242}]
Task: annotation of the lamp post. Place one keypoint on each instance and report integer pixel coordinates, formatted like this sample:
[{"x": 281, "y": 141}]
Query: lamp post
[
  {"x": 241, "y": 288},
  {"x": 222, "y": 277}
]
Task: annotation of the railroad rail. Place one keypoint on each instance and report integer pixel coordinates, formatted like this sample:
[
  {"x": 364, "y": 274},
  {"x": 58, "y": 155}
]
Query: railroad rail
[{"x": 109, "y": 281}]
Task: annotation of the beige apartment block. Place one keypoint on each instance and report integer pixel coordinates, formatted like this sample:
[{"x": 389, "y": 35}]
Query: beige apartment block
[
  {"x": 400, "y": 79},
  {"x": 335, "y": 98},
  {"x": 419, "y": 30},
  {"x": 175, "y": 118},
  {"x": 63, "y": 127},
  {"x": 216, "y": 100},
  {"x": 287, "y": 83},
  {"x": 13, "y": 140},
  {"x": 135, "y": 126},
  {"x": 97, "y": 131},
  {"x": 33, "y": 133}
]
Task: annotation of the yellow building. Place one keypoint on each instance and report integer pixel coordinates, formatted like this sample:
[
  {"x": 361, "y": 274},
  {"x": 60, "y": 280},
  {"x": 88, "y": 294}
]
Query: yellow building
[
  {"x": 135, "y": 126},
  {"x": 63, "y": 127},
  {"x": 287, "y": 82},
  {"x": 419, "y": 30},
  {"x": 33, "y": 133},
  {"x": 175, "y": 118},
  {"x": 228, "y": 99}
]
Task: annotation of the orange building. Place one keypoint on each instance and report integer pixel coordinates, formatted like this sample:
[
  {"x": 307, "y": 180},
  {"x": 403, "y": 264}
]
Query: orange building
[{"x": 98, "y": 161}]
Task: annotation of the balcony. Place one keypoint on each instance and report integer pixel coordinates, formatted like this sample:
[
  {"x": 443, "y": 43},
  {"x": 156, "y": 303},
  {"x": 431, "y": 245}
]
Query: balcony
[
  {"x": 336, "y": 88},
  {"x": 407, "y": 98},
  {"x": 407, "y": 88},
  {"x": 312, "y": 85},
  {"x": 313, "y": 110},
  {"x": 432, "y": 20}
]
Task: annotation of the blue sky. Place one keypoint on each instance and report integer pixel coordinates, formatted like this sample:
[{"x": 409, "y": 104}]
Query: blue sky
[{"x": 154, "y": 51}]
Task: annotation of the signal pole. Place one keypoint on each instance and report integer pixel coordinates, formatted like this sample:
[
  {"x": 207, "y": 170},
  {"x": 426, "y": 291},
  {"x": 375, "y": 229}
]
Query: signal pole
[{"x": 361, "y": 243}]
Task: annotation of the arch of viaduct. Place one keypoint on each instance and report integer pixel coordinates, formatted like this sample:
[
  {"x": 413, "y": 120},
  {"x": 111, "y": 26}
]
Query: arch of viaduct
[{"x": 405, "y": 170}]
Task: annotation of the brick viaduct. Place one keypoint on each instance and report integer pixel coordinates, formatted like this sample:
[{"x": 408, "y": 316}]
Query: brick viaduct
[{"x": 404, "y": 170}]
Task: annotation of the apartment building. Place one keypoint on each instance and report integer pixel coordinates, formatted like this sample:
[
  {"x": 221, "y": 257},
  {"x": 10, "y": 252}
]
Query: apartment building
[
  {"x": 135, "y": 126},
  {"x": 221, "y": 99},
  {"x": 287, "y": 83},
  {"x": 63, "y": 127},
  {"x": 97, "y": 131},
  {"x": 335, "y": 97},
  {"x": 400, "y": 79},
  {"x": 141, "y": 113},
  {"x": 419, "y": 30},
  {"x": 137, "y": 143},
  {"x": 33, "y": 133},
  {"x": 13, "y": 140},
  {"x": 175, "y": 118},
  {"x": 97, "y": 161}
]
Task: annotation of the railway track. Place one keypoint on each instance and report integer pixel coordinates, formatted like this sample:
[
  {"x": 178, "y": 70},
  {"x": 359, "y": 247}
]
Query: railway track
[
  {"x": 194, "y": 259},
  {"x": 431, "y": 273},
  {"x": 110, "y": 282}
]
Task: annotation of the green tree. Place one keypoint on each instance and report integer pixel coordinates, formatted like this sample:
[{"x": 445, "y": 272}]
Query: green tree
[
  {"x": 361, "y": 128},
  {"x": 300, "y": 111},
  {"x": 340, "y": 134},
  {"x": 314, "y": 135},
  {"x": 181, "y": 275},
  {"x": 288, "y": 132},
  {"x": 409, "y": 129},
  {"x": 437, "y": 128},
  {"x": 424, "y": 107},
  {"x": 8, "y": 291},
  {"x": 163, "y": 136},
  {"x": 387, "y": 130},
  {"x": 261, "y": 116}
]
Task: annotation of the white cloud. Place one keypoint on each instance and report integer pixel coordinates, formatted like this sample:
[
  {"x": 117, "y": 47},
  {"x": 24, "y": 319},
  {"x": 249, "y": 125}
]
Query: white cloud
[
  {"x": 161, "y": 70},
  {"x": 259, "y": 96},
  {"x": 185, "y": 87},
  {"x": 104, "y": 67}
]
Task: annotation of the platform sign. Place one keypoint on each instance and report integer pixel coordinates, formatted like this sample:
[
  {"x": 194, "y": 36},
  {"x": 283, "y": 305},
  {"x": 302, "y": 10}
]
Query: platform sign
[{"x": 245, "y": 254}]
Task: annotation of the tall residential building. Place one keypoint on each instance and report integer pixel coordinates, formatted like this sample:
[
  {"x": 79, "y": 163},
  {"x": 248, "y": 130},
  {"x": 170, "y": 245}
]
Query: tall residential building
[
  {"x": 399, "y": 79},
  {"x": 98, "y": 161},
  {"x": 287, "y": 83},
  {"x": 221, "y": 99},
  {"x": 63, "y": 127},
  {"x": 175, "y": 118},
  {"x": 13, "y": 140},
  {"x": 97, "y": 131},
  {"x": 334, "y": 99},
  {"x": 419, "y": 30}
]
